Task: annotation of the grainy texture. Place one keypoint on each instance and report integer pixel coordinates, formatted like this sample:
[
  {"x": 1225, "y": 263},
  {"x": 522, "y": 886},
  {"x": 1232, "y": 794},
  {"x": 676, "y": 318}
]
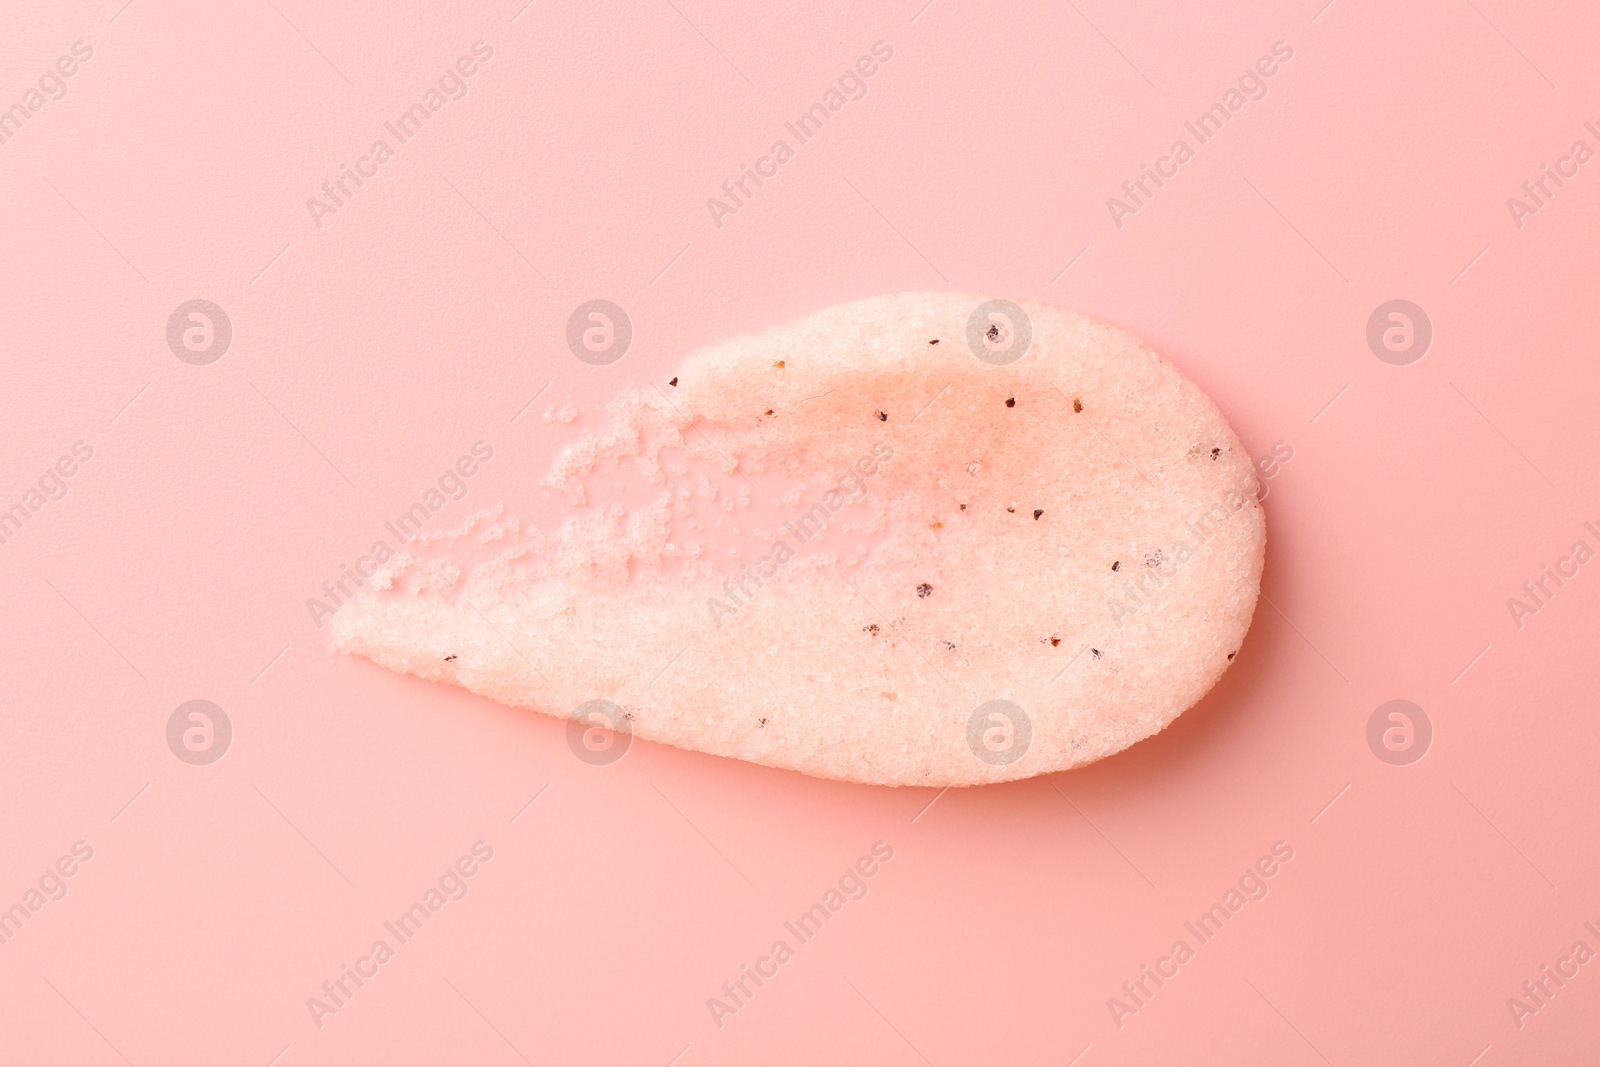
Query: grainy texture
[{"x": 1074, "y": 533}]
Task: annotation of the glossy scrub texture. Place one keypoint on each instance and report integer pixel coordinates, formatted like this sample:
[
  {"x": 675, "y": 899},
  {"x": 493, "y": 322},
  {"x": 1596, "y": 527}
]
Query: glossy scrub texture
[{"x": 986, "y": 570}]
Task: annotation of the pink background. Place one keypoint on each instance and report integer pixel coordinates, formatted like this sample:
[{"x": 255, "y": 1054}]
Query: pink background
[{"x": 370, "y": 352}]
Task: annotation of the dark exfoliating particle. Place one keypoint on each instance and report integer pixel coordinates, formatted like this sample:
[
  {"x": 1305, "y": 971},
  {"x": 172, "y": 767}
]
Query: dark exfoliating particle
[
  {"x": 1215, "y": 452},
  {"x": 924, "y": 589},
  {"x": 934, "y": 341},
  {"x": 450, "y": 658},
  {"x": 870, "y": 628},
  {"x": 1077, "y": 405},
  {"x": 760, "y": 723},
  {"x": 1037, "y": 512},
  {"x": 769, "y": 411},
  {"x": 883, "y": 416},
  {"x": 1055, "y": 642},
  {"x": 1117, "y": 566},
  {"x": 1097, "y": 653},
  {"x": 673, "y": 382},
  {"x": 1012, "y": 510},
  {"x": 963, "y": 507},
  {"x": 1011, "y": 401},
  {"x": 949, "y": 646},
  {"x": 779, "y": 364}
]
